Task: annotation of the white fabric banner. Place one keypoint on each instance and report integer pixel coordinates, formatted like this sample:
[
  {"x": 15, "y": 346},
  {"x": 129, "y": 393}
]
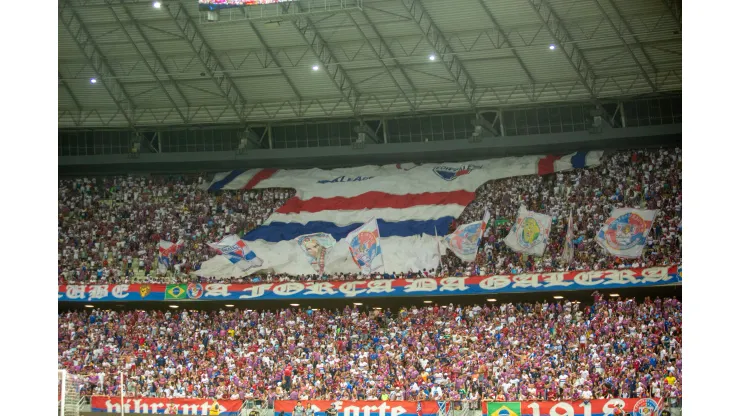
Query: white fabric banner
[
  {"x": 624, "y": 233},
  {"x": 529, "y": 233}
]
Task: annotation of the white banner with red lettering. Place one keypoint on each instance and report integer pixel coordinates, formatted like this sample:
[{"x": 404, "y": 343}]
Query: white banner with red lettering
[{"x": 163, "y": 406}]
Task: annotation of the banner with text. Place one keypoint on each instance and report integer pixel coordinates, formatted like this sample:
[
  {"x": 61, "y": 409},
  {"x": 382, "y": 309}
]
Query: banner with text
[
  {"x": 163, "y": 405},
  {"x": 362, "y": 408},
  {"x": 601, "y": 407},
  {"x": 479, "y": 285}
]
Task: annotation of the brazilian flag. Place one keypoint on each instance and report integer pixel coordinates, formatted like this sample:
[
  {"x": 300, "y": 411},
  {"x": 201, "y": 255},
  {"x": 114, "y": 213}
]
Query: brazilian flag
[
  {"x": 504, "y": 409},
  {"x": 176, "y": 292}
]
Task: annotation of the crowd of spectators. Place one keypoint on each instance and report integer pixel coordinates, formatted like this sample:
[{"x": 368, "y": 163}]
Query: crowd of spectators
[
  {"x": 547, "y": 351},
  {"x": 107, "y": 224},
  {"x": 110, "y": 227},
  {"x": 646, "y": 179}
]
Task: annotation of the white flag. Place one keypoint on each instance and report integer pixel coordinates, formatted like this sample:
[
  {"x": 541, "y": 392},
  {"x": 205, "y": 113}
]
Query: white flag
[
  {"x": 364, "y": 244},
  {"x": 568, "y": 248},
  {"x": 315, "y": 247},
  {"x": 464, "y": 241},
  {"x": 529, "y": 233},
  {"x": 624, "y": 233}
]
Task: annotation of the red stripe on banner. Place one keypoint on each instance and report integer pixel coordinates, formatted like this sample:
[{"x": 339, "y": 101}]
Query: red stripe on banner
[
  {"x": 375, "y": 199},
  {"x": 546, "y": 165},
  {"x": 259, "y": 177}
]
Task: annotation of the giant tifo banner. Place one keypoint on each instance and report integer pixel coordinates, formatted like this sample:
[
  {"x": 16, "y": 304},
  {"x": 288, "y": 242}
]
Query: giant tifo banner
[
  {"x": 414, "y": 206},
  {"x": 163, "y": 406},
  {"x": 631, "y": 407},
  {"x": 543, "y": 282},
  {"x": 363, "y": 408}
]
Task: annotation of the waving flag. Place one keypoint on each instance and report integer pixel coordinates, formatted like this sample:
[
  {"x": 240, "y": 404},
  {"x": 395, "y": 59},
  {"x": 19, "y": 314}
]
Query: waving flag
[
  {"x": 464, "y": 241},
  {"x": 364, "y": 244},
  {"x": 551, "y": 164},
  {"x": 569, "y": 247},
  {"x": 625, "y": 231},
  {"x": 166, "y": 250},
  {"x": 315, "y": 247},
  {"x": 408, "y": 201},
  {"x": 529, "y": 233},
  {"x": 236, "y": 251}
]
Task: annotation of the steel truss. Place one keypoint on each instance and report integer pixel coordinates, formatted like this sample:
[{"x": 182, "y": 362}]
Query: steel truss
[
  {"x": 328, "y": 62},
  {"x": 157, "y": 59},
  {"x": 446, "y": 54},
  {"x": 623, "y": 22},
  {"x": 378, "y": 105},
  {"x": 98, "y": 62}
]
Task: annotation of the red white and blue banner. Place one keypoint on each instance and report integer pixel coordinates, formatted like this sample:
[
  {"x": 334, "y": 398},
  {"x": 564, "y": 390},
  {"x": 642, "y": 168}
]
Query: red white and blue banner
[
  {"x": 163, "y": 405},
  {"x": 362, "y": 408},
  {"x": 479, "y": 285},
  {"x": 464, "y": 241},
  {"x": 409, "y": 203},
  {"x": 364, "y": 245},
  {"x": 599, "y": 407}
]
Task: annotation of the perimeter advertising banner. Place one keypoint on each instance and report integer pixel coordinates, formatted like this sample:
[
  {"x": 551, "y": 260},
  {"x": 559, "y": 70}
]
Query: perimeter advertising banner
[
  {"x": 479, "y": 285},
  {"x": 163, "y": 406},
  {"x": 631, "y": 407},
  {"x": 363, "y": 408}
]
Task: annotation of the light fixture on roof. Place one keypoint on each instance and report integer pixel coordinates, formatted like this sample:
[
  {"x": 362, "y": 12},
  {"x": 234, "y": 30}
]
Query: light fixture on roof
[
  {"x": 377, "y": 308},
  {"x": 427, "y": 301},
  {"x": 552, "y": 47},
  {"x": 614, "y": 295},
  {"x": 156, "y": 5},
  {"x": 315, "y": 67},
  {"x": 357, "y": 303},
  {"x": 93, "y": 81},
  {"x": 174, "y": 306},
  {"x": 557, "y": 297},
  {"x": 295, "y": 304},
  {"x": 432, "y": 57},
  {"x": 89, "y": 306},
  {"x": 229, "y": 306},
  {"x": 491, "y": 300}
]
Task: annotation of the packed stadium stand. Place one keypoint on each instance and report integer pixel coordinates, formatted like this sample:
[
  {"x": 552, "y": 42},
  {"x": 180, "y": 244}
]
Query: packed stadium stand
[
  {"x": 370, "y": 208},
  {"x": 110, "y": 228}
]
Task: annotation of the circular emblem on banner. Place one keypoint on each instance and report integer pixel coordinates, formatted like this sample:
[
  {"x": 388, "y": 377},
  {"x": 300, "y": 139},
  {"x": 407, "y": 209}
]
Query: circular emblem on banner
[
  {"x": 529, "y": 233},
  {"x": 364, "y": 247},
  {"x": 195, "y": 290},
  {"x": 646, "y": 407},
  {"x": 626, "y": 231}
]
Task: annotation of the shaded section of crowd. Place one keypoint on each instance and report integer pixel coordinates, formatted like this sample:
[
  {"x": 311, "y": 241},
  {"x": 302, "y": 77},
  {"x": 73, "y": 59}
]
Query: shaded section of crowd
[
  {"x": 545, "y": 351},
  {"x": 109, "y": 228}
]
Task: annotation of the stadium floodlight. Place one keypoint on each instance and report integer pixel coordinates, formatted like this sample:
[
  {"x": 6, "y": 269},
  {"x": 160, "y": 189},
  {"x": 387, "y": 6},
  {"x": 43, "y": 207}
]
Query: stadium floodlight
[
  {"x": 432, "y": 57},
  {"x": 557, "y": 297},
  {"x": 156, "y": 5},
  {"x": 315, "y": 67},
  {"x": 229, "y": 306},
  {"x": 552, "y": 47},
  {"x": 93, "y": 81}
]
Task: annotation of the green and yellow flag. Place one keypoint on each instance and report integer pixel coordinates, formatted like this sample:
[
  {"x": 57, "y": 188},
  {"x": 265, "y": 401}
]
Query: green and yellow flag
[
  {"x": 504, "y": 409},
  {"x": 176, "y": 292}
]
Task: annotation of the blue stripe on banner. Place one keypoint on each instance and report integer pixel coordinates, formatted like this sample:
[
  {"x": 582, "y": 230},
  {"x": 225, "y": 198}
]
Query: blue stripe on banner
[
  {"x": 579, "y": 160},
  {"x": 280, "y": 231},
  {"x": 250, "y": 256},
  {"x": 218, "y": 185}
]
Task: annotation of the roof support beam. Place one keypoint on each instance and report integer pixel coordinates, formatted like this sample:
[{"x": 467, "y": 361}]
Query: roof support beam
[
  {"x": 674, "y": 7},
  {"x": 614, "y": 27},
  {"x": 95, "y": 58},
  {"x": 215, "y": 70},
  {"x": 146, "y": 62},
  {"x": 380, "y": 58},
  {"x": 75, "y": 101},
  {"x": 274, "y": 59},
  {"x": 564, "y": 42},
  {"x": 329, "y": 62},
  {"x": 505, "y": 37},
  {"x": 444, "y": 51}
]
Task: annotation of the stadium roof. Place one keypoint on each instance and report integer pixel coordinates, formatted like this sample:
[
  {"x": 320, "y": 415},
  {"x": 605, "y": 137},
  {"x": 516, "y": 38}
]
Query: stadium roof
[{"x": 355, "y": 58}]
